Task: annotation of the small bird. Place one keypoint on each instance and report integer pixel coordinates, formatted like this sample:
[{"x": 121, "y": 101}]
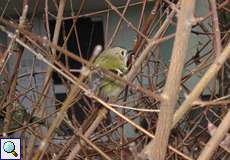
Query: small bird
[{"x": 112, "y": 59}]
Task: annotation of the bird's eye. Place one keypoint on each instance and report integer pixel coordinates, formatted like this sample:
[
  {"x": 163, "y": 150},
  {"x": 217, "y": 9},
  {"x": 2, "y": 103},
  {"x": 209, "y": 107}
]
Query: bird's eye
[{"x": 123, "y": 53}]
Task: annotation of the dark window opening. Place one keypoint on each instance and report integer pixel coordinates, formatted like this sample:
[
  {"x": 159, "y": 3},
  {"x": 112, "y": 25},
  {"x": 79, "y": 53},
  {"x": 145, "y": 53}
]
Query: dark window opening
[{"x": 90, "y": 33}]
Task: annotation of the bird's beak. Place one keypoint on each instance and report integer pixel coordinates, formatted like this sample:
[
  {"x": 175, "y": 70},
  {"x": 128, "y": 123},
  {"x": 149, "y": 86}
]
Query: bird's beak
[{"x": 129, "y": 52}]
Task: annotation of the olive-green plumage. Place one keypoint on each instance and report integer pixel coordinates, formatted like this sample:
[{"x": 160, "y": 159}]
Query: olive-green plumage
[{"x": 113, "y": 59}]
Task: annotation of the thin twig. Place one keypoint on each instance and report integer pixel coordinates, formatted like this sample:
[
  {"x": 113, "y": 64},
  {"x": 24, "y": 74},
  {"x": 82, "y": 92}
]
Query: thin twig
[
  {"x": 211, "y": 72},
  {"x": 218, "y": 136}
]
